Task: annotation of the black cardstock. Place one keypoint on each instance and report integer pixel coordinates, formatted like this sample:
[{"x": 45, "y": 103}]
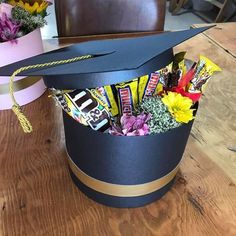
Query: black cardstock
[
  {"x": 115, "y": 61},
  {"x": 124, "y": 160}
]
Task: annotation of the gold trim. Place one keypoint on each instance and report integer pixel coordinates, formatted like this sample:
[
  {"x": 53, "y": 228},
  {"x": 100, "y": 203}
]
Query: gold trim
[
  {"x": 121, "y": 190},
  {"x": 20, "y": 84}
]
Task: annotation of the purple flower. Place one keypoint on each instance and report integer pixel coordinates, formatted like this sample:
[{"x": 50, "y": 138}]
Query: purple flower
[
  {"x": 8, "y": 28},
  {"x": 131, "y": 125}
]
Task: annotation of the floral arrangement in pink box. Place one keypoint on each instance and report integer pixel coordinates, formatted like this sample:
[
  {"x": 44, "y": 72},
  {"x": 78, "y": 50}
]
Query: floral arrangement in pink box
[{"x": 20, "y": 38}]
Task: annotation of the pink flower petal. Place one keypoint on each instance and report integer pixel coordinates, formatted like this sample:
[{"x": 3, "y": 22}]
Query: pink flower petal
[
  {"x": 5, "y": 8},
  {"x": 132, "y": 125}
]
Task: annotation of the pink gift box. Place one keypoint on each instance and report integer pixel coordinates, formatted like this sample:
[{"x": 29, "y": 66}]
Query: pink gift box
[{"x": 27, "y": 89}]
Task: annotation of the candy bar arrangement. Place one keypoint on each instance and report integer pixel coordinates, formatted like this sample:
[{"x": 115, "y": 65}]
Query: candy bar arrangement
[{"x": 151, "y": 104}]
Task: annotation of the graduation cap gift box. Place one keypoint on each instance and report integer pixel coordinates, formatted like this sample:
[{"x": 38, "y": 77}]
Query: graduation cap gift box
[{"x": 118, "y": 171}]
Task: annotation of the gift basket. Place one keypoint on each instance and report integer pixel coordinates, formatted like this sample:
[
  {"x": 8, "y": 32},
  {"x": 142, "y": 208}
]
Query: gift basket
[
  {"x": 20, "y": 38},
  {"x": 128, "y": 108}
]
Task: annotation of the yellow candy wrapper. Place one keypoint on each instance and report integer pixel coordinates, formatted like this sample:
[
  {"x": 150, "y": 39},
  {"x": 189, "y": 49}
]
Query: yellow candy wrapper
[
  {"x": 108, "y": 97},
  {"x": 178, "y": 69},
  {"x": 204, "y": 71},
  {"x": 165, "y": 75},
  {"x": 85, "y": 107},
  {"x": 66, "y": 103},
  {"x": 98, "y": 96},
  {"x": 147, "y": 85},
  {"x": 127, "y": 96}
]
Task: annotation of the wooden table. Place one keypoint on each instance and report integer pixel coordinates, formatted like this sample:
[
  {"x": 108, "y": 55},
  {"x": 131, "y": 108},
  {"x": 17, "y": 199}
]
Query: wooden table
[
  {"x": 37, "y": 196},
  {"x": 223, "y": 35}
]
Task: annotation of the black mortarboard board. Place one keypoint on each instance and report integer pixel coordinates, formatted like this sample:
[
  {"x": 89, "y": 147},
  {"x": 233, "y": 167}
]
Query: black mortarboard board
[{"x": 114, "y": 61}]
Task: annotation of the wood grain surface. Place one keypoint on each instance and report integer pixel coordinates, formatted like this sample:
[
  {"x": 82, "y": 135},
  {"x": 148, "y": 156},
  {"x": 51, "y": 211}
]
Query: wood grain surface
[
  {"x": 224, "y": 35},
  {"x": 37, "y": 196}
]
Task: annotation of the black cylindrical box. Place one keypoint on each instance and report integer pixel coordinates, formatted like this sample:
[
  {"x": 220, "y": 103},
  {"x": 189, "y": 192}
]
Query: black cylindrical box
[{"x": 121, "y": 171}]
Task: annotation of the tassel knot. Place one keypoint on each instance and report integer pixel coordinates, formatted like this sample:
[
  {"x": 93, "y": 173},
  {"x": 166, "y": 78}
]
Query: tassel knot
[{"x": 24, "y": 122}]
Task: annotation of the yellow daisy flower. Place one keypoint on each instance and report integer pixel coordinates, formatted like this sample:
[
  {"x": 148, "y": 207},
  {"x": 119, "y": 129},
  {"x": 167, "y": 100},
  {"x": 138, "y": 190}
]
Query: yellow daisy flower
[
  {"x": 30, "y": 6},
  {"x": 179, "y": 106}
]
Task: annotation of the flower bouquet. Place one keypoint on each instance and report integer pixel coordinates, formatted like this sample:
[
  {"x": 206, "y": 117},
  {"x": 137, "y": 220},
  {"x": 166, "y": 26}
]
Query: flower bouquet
[{"x": 20, "y": 38}]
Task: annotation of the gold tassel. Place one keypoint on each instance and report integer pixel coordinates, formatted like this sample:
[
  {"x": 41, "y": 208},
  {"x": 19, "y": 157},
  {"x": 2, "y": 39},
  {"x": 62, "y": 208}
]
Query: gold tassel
[{"x": 24, "y": 122}]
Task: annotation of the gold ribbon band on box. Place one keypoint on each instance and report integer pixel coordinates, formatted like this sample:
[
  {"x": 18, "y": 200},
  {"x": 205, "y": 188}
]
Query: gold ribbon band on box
[
  {"x": 20, "y": 84},
  {"x": 121, "y": 190}
]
